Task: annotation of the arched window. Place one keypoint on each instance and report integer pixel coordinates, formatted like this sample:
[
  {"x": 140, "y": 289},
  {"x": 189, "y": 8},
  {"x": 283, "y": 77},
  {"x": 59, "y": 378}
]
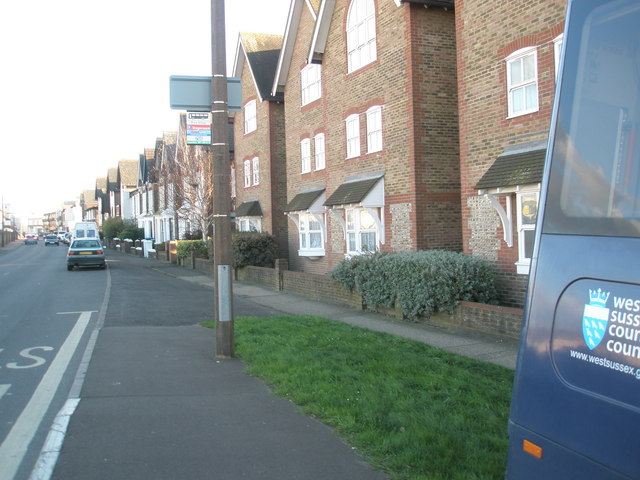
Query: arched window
[{"x": 361, "y": 34}]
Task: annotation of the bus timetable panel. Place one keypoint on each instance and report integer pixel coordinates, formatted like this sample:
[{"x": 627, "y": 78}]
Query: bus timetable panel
[{"x": 576, "y": 404}]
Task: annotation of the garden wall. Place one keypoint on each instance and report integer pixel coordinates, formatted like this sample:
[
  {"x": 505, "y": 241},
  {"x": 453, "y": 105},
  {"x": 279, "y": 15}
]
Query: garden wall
[{"x": 496, "y": 321}]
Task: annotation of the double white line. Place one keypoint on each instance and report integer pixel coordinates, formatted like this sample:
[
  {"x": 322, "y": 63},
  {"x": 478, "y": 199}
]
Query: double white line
[{"x": 15, "y": 445}]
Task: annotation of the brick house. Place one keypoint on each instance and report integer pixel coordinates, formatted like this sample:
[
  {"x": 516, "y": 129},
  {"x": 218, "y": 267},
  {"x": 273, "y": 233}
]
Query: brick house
[
  {"x": 258, "y": 178},
  {"x": 371, "y": 129},
  {"x": 506, "y": 85}
]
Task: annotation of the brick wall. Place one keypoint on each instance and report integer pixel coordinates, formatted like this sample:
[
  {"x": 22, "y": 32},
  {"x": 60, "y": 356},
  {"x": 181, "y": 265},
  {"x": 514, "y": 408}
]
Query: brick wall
[
  {"x": 500, "y": 322},
  {"x": 268, "y": 144},
  {"x": 485, "y": 129},
  {"x": 414, "y": 81}
]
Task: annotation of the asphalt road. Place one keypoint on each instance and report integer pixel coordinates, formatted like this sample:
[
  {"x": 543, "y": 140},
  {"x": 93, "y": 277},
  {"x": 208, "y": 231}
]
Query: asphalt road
[{"x": 46, "y": 316}]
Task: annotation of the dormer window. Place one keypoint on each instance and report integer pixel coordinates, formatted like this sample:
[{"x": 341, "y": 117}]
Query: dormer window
[
  {"x": 361, "y": 34},
  {"x": 250, "y": 119},
  {"x": 311, "y": 83}
]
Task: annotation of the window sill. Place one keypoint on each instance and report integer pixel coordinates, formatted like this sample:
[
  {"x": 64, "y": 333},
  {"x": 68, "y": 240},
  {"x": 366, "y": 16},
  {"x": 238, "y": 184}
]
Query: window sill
[
  {"x": 523, "y": 267},
  {"x": 522, "y": 114},
  {"x": 311, "y": 254}
]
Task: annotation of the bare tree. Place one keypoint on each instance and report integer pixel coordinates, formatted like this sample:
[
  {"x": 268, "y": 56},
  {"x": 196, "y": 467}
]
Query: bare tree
[{"x": 192, "y": 185}]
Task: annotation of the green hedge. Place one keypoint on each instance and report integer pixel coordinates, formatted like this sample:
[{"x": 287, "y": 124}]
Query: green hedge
[
  {"x": 251, "y": 248},
  {"x": 185, "y": 247},
  {"x": 420, "y": 283}
]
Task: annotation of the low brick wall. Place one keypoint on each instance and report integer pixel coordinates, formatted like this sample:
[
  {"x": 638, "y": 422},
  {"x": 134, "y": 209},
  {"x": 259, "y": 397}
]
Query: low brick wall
[
  {"x": 503, "y": 322},
  {"x": 319, "y": 287},
  {"x": 267, "y": 277},
  {"x": 496, "y": 321}
]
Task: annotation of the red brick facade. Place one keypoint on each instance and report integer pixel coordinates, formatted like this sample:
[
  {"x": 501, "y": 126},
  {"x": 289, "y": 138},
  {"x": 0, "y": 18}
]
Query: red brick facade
[
  {"x": 440, "y": 78},
  {"x": 487, "y": 33},
  {"x": 413, "y": 80},
  {"x": 267, "y": 143}
]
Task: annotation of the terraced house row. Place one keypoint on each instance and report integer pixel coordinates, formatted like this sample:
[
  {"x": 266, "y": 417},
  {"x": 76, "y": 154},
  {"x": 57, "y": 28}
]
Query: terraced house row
[
  {"x": 376, "y": 125},
  {"x": 387, "y": 125}
]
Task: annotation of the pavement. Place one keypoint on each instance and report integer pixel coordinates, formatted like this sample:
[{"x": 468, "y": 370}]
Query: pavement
[
  {"x": 154, "y": 402},
  {"x": 480, "y": 347}
]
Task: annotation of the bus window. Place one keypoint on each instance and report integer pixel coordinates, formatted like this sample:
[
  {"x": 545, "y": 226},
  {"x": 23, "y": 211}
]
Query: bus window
[{"x": 594, "y": 187}]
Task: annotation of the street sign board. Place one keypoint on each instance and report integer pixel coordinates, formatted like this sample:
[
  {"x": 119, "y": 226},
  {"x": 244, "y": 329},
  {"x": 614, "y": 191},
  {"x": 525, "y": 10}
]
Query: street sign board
[
  {"x": 198, "y": 128},
  {"x": 194, "y": 93}
]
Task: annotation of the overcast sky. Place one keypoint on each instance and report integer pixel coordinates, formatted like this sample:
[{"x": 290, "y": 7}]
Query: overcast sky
[{"x": 85, "y": 84}]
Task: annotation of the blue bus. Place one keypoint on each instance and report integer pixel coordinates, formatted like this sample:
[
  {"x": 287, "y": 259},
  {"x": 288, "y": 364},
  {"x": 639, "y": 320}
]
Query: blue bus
[{"x": 575, "y": 410}]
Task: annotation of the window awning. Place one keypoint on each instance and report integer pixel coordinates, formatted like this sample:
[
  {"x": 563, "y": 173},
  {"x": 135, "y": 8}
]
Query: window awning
[
  {"x": 249, "y": 209},
  {"x": 358, "y": 192},
  {"x": 367, "y": 193},
  {"x": 512, "y": 169},
  {"x": 305, "y": 201},
  {"x": 518, "y": 166}
]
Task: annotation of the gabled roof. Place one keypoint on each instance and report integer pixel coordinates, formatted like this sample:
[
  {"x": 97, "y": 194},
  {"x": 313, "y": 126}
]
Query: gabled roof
[
  {"x": 146, "y": 163},
  {"x": 323, "y": 21},
  {"x": 293, "y": 22},
  {"x": 261, "y": 52},
  {"x": 112, "y": 180},
  {"x": 128, "y": 172}
]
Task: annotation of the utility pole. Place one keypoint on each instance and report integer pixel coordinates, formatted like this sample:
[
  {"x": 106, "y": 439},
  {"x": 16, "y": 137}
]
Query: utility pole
[{"x": 222, "y": 256}]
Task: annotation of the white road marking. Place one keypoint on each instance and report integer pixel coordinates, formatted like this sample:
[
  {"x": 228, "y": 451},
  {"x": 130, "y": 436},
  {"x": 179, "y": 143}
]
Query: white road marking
[
  {"x": 4, "y": 389},
  {"x": 15, "y": 445}
]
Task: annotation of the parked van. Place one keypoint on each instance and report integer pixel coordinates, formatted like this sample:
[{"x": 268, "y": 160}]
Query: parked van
[
  {"x": 575, "y": 411},
  {"x": 86, "y": 230}
]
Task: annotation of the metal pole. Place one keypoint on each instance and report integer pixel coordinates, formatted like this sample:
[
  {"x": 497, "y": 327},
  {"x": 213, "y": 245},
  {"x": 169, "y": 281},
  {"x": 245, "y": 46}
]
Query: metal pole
[
  {"x": 2, "y": 224},
  {"x": 222, "y": 256}
]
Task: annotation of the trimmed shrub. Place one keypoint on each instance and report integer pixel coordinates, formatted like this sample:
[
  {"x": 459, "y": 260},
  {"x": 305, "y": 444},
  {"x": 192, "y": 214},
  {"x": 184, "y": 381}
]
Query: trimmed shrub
[
  {"x": 185, "y": 247},
  {"x": 112, "y": 227},
  {"x": 420, "y": 283},
  {"x": 251, "y": 248}
]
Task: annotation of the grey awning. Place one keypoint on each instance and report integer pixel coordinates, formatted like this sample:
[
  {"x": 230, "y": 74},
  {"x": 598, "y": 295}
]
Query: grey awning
[
  {"x": 510, "y": 170},
  {"x": 352, "y": 192},
  {"x": 249, "y": 209},
  {"x": 303, "y": 201}
]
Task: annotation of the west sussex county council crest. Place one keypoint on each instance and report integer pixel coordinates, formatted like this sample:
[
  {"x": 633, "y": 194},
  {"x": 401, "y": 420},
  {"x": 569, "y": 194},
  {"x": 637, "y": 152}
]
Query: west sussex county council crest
[{"x": 595, "y": 318}]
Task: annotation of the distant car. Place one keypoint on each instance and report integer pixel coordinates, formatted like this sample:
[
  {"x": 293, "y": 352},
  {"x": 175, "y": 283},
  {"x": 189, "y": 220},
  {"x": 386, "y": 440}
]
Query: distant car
[
  {"x": 85, "y": 252},
  {"x": 31, "y": 239},
  {"x": 67, "y": 238},
  {"x": 51, "y": 240}
]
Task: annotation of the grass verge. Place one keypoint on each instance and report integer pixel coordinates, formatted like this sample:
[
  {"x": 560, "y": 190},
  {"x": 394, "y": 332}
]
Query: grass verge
[{"x": 414, "y": 411}]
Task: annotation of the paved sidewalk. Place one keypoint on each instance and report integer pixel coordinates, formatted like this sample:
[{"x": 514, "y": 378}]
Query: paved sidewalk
[{"x": 485, "y": 348}]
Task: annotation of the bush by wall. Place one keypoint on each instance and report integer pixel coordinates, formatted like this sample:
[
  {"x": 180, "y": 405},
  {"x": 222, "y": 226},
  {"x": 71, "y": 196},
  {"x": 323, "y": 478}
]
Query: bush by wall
[
  {"x": 257, "y": 249},
  {"x": 185, "y": 247},
  {"x": 420, "y": 283}
]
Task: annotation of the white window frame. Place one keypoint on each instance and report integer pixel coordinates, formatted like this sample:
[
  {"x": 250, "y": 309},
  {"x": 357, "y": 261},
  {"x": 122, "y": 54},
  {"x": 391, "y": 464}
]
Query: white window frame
[
  {"x": 247, "y": 173},
  {"x": 249, "y": 224},
  {"x": 311, "y": 83},
  {"x": 361, "y": 34},
  {"x": 521, "y": 84},
  {"x": 233, "y": 182},
  {"x": 255, "y": 164},
  {"x": 250, "y": 117},
  {"x": 557, "y": 51},
  {"x": 305, "y": 155},
  {"x": 354, "y": 230},
  {"x": 525, "y": 228},
  {"x": 319, "y": 151},
  {"x": 374, "y": 129},
  {"x": 352, "y": 124},
  {"x": 305, "y": 234}
]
